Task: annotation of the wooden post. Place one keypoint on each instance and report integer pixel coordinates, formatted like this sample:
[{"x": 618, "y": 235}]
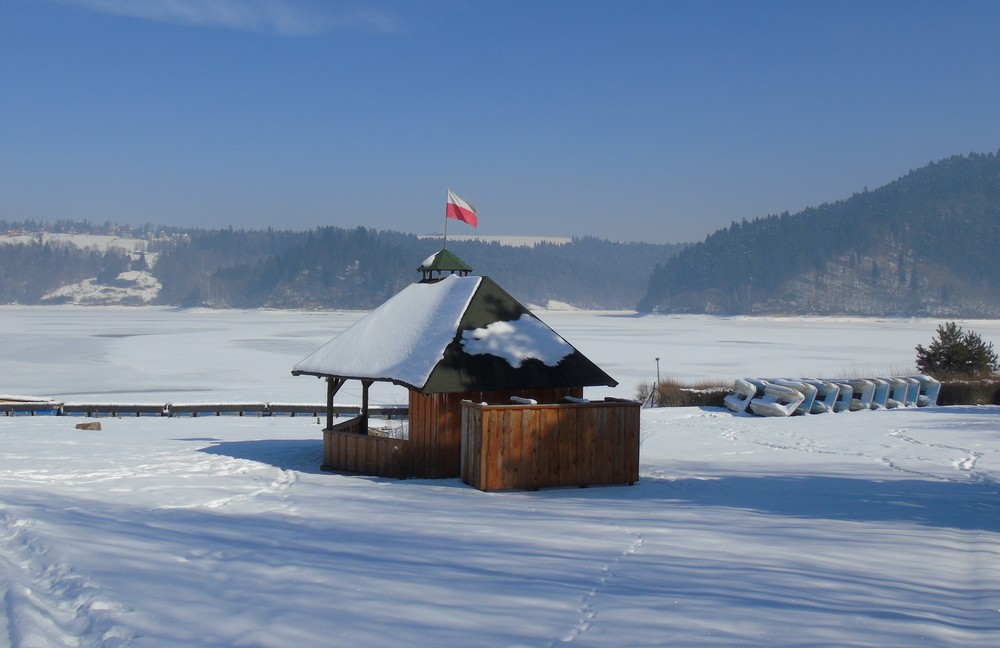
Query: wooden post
[
  {"x": 365, "y": 384},
  {"x": 333, "y": 385}
]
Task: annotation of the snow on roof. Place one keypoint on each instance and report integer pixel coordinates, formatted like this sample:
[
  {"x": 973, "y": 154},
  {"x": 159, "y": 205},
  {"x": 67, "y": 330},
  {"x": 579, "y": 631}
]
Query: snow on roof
[
  {"x": 518, "y": 340},
  {"x": 402, "y": 340}
]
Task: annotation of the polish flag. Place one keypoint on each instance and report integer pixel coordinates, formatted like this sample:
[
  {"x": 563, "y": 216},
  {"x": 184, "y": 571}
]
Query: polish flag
[{"x": 460, "y": 210}]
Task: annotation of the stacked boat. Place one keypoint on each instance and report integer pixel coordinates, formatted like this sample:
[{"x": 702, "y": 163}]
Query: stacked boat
[{"x": 794, "y": 396}]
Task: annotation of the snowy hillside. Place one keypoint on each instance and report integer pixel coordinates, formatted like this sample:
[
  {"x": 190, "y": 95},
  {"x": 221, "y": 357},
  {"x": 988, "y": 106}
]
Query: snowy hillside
[
  {"x": 130, "y": 283},
  {"x": 132, "y": 287}
]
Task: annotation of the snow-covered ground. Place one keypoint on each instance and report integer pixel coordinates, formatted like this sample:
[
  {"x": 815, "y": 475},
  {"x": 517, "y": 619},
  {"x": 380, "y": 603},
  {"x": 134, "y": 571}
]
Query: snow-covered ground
[{"x": 853, "y": 529}]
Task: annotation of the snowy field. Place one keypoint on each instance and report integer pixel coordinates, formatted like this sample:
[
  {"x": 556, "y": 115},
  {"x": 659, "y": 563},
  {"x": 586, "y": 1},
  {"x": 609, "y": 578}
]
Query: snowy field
[{"x": 854, "y": 529}]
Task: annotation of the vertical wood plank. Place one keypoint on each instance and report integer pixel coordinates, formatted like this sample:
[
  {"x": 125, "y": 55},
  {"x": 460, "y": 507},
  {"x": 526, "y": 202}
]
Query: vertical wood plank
[
  {"x": 604, "y": 452},
  {"x": 449, "y": 437},
  {"x": 357, "y": 448},
  {"x": 546, "y": 462},
  {"x": 327, "y": 450},
  {"x": 346, "y": 460},
  {"x": 570, "y": 437},
  {"x": 632, "y": 429},
  {"x": 505, "y": 449},
  {"x": 531, "y": 439},
  {"x": 479, "y": 440},
  {"x": 616, "y": 472},
  {"x": 589, "y": 450},
  {"x": 491, "y": 450}
]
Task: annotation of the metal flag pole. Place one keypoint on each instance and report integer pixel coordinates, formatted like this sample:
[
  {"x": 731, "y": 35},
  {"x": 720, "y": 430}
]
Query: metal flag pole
[{"x": 445, "y": 223}]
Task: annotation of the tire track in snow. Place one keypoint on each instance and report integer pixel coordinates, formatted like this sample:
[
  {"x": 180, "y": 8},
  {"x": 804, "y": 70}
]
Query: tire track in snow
[
  {"x": 44, "y": 602},
  {"x": 587, "y": 610}
]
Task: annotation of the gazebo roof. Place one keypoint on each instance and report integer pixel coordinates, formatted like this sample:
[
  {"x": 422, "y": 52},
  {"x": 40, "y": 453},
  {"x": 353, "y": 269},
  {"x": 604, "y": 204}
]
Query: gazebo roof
[
  {"x": 441, "y": 262},
  {"x": 459, "y": 334}
]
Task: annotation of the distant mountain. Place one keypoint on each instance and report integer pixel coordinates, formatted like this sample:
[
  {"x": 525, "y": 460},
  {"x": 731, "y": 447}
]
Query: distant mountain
[
  {"x": 926, "y": 244},
  {"x": 324, "y": 268}
]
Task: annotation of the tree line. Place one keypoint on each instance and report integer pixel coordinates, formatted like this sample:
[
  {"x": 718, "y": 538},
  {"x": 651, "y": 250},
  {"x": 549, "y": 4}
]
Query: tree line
[{"x": 327, "y": 267}]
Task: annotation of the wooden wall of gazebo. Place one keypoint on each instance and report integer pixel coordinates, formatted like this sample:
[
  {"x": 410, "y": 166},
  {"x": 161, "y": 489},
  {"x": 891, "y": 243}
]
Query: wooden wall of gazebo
[
  {"x": 433, "y": 448},
  {"x": 506, "y": 447}
]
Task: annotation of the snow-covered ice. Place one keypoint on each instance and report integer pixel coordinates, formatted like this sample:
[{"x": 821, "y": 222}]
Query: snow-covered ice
[{"x": 857, "y": 529}]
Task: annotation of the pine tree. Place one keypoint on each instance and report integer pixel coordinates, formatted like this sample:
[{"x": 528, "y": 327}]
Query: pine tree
[{"x": 955, "y": 352}]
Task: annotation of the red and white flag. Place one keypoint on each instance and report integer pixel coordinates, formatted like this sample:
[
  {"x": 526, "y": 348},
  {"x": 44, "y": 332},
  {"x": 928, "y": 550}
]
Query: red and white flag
[{"x": 460, "y": 210}]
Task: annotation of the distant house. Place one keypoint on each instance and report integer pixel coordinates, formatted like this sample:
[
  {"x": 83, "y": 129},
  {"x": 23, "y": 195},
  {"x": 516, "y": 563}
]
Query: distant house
[{"x": 464, "y": 348}]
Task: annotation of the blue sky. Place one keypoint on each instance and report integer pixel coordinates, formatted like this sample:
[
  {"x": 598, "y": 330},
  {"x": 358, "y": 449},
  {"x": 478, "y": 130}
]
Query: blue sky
[{"x": 630, "y": 120}]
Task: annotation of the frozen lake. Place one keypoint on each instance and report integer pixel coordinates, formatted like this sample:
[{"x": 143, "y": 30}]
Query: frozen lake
[{"x": 168, "y": 355}]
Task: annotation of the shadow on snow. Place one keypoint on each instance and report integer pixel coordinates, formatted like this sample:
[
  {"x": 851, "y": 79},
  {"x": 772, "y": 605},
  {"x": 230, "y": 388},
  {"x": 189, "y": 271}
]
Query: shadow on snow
[{"x": 971, "y": 505}]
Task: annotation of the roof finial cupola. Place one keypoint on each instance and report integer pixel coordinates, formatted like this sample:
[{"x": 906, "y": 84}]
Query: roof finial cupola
[{"x": 435, "y": 266}]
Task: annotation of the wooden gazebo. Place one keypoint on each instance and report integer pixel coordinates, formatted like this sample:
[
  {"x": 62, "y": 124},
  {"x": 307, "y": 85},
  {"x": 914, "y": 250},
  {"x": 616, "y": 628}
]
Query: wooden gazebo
[{"x": 455, "y": 340}]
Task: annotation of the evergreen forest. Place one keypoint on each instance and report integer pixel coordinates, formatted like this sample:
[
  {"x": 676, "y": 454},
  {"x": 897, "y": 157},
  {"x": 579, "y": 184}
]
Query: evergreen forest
[
  {"x": 923, "y": 245},
  {"x": 324, "y": 268}
]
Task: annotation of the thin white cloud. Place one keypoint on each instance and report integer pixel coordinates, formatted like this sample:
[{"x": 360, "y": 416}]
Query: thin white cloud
[{"x": 284, "y": 17}]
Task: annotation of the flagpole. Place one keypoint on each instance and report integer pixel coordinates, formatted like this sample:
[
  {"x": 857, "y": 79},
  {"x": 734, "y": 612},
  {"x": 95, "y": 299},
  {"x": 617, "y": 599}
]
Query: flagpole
[{"x": 445, "y": 227}]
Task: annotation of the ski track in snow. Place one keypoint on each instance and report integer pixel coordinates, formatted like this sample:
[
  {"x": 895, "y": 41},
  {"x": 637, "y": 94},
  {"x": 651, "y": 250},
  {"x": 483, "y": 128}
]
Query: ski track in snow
[{"x": 44, "y": 603}]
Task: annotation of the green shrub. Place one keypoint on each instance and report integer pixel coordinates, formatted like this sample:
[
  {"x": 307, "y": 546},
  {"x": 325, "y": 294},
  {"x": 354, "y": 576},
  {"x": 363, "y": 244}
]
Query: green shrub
[{"x": 956, "y": 353}]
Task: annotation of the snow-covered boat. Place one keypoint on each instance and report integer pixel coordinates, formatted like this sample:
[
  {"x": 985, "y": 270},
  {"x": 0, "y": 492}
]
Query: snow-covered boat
[
  {"x": 826, "y": 395},
  {"x": 864, "y": 393},
  {"x": 930, "y": 388},
  {"x": 897, "y": 393},
  {"x": 743, "y": 392},
  {"x": 777, "y": 400},
  {"x": 881, "y": 394},
  {"x": 912, "y": 391},
  {"x": 844, "y": 398},
  {"x": 807, "y": 390}
]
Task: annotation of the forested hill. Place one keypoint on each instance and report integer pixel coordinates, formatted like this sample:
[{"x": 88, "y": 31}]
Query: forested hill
[
  {"x": 925, "y": 244},
  {"x": 361, "y": 268},
  {"x": 324, "y": 268}
]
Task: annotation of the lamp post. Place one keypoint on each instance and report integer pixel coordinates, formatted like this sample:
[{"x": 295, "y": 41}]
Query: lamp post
[{"x": 656, "y": 391}]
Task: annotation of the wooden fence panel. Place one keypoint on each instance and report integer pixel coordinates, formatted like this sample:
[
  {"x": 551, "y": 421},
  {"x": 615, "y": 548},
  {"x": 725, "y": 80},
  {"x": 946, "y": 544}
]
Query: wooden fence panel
[
  {"x": 536, "y": 446},
  {"x": 345, "y": 449},
  {"x": 472, "y": 470}
]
